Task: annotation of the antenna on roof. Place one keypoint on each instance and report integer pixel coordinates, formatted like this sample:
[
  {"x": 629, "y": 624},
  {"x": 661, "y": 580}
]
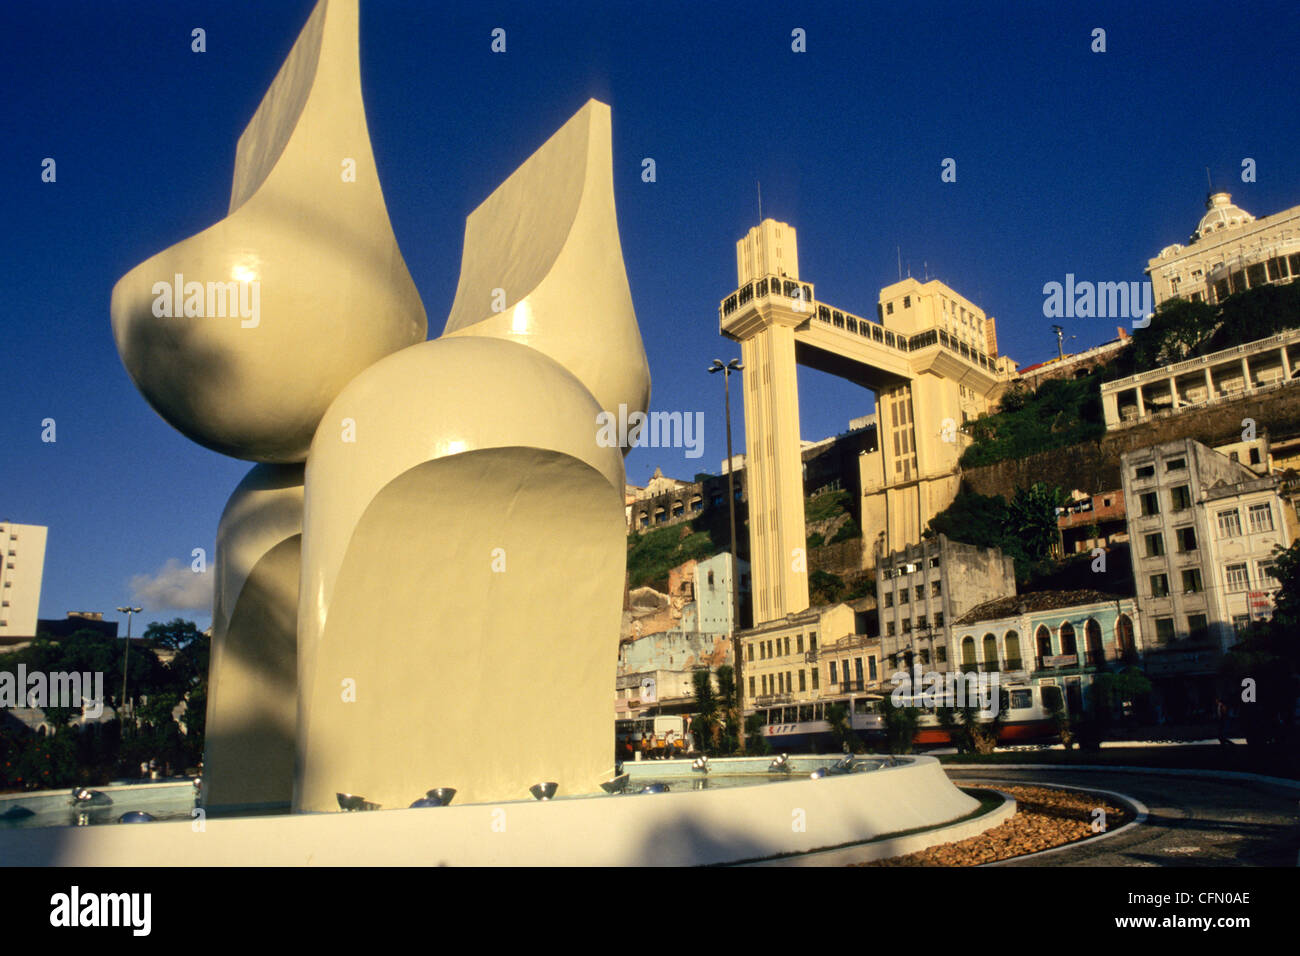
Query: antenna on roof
[
  {"x": 927, "y": 269},
  {"x": 900, "y": 262},
  {"x": 760, "y": 199},
  {"x": 1208, "y": 179}
]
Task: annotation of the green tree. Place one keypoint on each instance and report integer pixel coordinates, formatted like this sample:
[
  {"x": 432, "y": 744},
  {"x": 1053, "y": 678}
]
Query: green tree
[
  {"x": 824, "y": 587},
  {"x": 729, "y": 709},
  {"x": 1176, "y": 331},
  {"x": 756, "y": 744},
  {"x": 974, "y": 519},
  {"x": 900, "y": 725},
  {"x": 1032, "y": 513},
  {"x": 1108, "y": 693},
  {"x": 705, "y": 724},
  {"x": 1260, "y": 676},
  {"x": 1055, "y": 704},
  {"x": 837, "y": 715}
]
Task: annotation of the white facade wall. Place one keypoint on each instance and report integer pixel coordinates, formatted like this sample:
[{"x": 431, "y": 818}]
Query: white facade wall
[{"x": 23, "y": 547}]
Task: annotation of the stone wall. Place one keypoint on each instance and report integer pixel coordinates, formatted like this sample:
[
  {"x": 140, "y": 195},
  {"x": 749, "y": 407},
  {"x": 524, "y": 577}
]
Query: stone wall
[
  {"x": 1093, "y": 467},
  {"x": 841, "y": 558}
]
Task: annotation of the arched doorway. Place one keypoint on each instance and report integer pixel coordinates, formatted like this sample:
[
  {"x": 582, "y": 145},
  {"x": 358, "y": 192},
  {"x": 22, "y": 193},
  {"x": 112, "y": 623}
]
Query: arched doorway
[{"x": 990, "y": 653}]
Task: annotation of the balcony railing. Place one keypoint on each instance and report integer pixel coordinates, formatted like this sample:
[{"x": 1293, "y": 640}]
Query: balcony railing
[
  {"x": 1192, "y": 364},
  {"x": 848, "y": 322}
]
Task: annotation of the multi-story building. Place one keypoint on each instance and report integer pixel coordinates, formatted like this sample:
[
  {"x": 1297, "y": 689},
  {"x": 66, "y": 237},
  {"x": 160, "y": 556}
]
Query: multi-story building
[
  {"x": 930, "y": 357},
  {"x": 1050, "y": 637},
  {"x": 924, "y": 587},
  {"x": 20, "y": 578},
  {"x": 667, "y": 642},
  {"x": 1092, "y": 521},
  {"x": 666, "y": 501},
  {"x": 1203, "y": 529},
  {"x": 1230, "y": 251},
  {"x": 817, "y": 654}
]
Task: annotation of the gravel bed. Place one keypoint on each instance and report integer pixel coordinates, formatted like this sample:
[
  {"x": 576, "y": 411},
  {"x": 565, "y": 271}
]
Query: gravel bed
[{"x": 1045, "y": 818}]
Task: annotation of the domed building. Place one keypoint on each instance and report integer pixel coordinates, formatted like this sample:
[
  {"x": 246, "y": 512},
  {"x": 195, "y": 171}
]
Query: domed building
[{"x": 1230, "y": 251}]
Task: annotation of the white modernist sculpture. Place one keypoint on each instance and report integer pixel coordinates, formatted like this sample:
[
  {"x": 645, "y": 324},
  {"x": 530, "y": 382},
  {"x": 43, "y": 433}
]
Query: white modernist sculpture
[
  {"x": 465, "y": 542},
  {"x": 253, "y": 682},
  {"x": 457, "y": 553},
  {"x": 241, "y": 335}
]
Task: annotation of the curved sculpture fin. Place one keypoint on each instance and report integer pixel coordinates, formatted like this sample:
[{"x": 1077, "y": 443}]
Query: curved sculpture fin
[
  {"x": 545, "y": 246},
  {"x": 242, "y": 335}
]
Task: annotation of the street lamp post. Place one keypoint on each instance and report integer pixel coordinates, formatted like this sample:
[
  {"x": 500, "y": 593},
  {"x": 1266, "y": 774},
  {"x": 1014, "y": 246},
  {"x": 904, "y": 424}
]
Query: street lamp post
[
  {"x": 726, "y": 370},
  {"x": 126, "y": 656}
]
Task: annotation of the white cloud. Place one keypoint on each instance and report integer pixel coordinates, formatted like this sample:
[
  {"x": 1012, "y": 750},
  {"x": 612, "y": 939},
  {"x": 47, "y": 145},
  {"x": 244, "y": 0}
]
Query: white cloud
[{"x": 173, "y": 587}]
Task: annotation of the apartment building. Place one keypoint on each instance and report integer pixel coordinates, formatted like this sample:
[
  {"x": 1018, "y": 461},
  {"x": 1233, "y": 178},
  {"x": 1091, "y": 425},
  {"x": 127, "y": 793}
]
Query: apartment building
[
  {"x": 1203, "y": 529},
  {"x": 924, "y": 587}
]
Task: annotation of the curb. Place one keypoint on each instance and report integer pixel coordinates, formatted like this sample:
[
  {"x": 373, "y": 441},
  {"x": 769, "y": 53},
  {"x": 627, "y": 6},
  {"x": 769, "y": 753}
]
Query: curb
[
  {"x": 1140, "y": 815},
  {"x": 901, "y": 846},
  {"x": 1166, "y": 771}
]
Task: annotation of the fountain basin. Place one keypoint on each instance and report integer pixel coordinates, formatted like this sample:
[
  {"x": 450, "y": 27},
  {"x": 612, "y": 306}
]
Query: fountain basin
[{"x": 682, "y": 827}]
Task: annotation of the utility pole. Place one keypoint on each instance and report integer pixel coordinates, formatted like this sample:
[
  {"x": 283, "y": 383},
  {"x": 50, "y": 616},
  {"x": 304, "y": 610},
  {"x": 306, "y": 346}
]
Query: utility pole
[
  {"x": 726, "y": 370},
  {"x": 126, "y": 659}
]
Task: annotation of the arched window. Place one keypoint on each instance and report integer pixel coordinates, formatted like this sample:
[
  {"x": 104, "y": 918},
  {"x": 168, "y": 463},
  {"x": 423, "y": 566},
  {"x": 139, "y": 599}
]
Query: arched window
[
  {"x": 1092, "y": 642},
  {"x": 990, "y": 652},
  {"x": 1068, "y": 644},
  {"x": 1124, "y": 637},
  {"x": 1011, "y": 646},
  {"x": 1044, "y": 639},
  {"x": 968, "y": 653}
]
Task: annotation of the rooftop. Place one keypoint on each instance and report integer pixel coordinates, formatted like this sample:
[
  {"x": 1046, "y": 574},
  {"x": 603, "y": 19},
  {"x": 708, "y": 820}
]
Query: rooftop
[{"x": 1033, "y": 602}]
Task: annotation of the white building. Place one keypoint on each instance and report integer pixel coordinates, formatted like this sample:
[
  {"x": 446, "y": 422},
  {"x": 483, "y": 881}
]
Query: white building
[
  {"x": 1230, "y": 251},
  {"x": 20, "y": 578}
]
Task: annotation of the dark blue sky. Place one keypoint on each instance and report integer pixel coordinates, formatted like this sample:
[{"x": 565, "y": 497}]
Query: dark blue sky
[{"x": 1067, "y": 161}]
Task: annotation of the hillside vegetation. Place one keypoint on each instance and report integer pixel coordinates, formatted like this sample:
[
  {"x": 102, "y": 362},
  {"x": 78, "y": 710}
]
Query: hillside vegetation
[{"x": 1068, "y": 411}]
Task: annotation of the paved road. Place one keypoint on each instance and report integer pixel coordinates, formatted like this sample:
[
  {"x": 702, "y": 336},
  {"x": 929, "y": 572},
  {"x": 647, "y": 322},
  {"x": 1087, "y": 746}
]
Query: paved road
[{"x": 1193, "y": 821}]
